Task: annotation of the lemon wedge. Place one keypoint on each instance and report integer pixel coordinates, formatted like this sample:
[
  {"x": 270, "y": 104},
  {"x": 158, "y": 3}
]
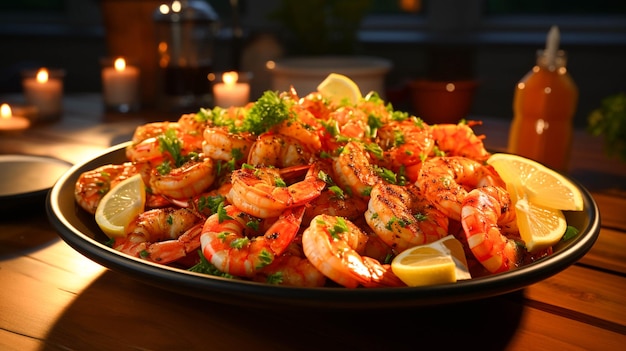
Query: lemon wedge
[
  {"x": 439, "y": 262},
  {"x": 542, "y": 185},
  {"x": 339, "y": 88},
  {"x": 540, "y": 195},
  {"x": 539, "y": 227},
  {"x": 120, "y": 206}
]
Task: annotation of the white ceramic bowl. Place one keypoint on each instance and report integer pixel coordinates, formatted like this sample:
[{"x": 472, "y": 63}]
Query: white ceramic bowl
[{"x": 305, "y": 73}]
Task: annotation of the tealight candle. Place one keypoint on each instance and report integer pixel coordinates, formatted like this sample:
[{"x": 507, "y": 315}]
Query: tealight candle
[
  {"x": 8, "y": 122},
  {"x": 120, "y": 85},
  {"x": 231, "y": 92},
  {"x": 44, "y": 90}
]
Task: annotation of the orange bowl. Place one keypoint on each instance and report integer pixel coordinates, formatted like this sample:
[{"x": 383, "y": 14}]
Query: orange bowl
[{"x": 442, "y": 101}]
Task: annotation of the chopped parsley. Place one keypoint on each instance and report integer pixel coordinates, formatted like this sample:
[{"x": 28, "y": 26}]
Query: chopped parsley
[
  {"x": 211, "y": 203},
  {"x": 206, "y": 267},
  {"x": 269, "y": 110},
  {"x": 570, "y": 233}
]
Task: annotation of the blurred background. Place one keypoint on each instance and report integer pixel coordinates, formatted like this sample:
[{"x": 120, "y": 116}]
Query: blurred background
[{"x": 493, "y": 42}]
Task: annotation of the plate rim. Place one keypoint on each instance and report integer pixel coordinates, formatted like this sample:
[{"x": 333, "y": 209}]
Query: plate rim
[
  {"x": 245, "y": 292},
  {"x": 36, "y": 159}
]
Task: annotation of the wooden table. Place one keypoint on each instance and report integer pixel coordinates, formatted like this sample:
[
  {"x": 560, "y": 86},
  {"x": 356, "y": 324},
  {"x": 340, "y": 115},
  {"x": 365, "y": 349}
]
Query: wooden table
[{"x": 53, "y": 298}]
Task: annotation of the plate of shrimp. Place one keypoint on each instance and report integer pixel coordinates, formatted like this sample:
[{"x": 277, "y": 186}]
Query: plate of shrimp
[{"x": 298, "y": 201}]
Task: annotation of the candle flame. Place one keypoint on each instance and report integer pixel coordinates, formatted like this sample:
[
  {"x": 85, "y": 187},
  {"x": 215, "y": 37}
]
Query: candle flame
[
  {"x": 5, "y": 111},
  {"x": 230, "y": 78},
  {"x": 42, "y": 75},
  {"x": 120, "y": 64},
  {"x": 164, "y": 9}
]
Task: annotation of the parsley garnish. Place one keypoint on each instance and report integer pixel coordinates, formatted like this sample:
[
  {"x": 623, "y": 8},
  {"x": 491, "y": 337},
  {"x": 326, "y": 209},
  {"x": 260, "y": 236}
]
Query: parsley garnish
[
  {"x": 206, "y": 267},
  {"x": 212, "y": 203},
  {"x": 169, "y": 142},
  {"x": 268, "y": 111},
  {"x": 221, "y": 213},
  {"x": 570, "y": 233}
]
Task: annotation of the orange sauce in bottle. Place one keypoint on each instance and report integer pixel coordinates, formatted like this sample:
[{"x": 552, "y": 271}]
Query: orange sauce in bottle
[{"x": 544, "y": 104}]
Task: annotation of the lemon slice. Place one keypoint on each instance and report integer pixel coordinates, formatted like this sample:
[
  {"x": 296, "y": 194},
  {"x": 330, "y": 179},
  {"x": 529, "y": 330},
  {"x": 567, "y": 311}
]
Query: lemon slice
[
  {"x": 540, "y": 195},
  {"x": 539, "y": 227},
  {"x": 339, "y": 88},
  {"x": 442, "y": 261},
  {"x": 542, "y": 185},
  {"x": 120, "y": 206}
]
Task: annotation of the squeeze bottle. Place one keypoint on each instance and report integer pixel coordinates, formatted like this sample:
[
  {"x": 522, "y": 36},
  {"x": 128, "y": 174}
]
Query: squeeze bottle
[{"x": 544, "y": 104}]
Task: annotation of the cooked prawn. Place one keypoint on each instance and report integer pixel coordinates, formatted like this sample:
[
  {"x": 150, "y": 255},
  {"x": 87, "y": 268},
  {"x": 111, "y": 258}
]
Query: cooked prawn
[
  {"x": 227, "y": 240},
  {"x": 151, "y": 130},
  {"x": 460, "y": 140},
  {"x": 402, "y": 218},
  {"x": 489, "y": 223},
  {"x": 188, "y": 180},
  {"x": 332, "y": 244},
  {"x": 92, "y": 185},
  {"x": 336, "y": 204},
  {"x": 405, "y": 143},
  {"x": 273, "y": 149},
  {"x": 162, "y": 235},
  {"x": 354, "y": 171},
  {"x": 220, "y": 144},
  {"x": 445, "y": 181},
  {"x": 304, "y": 127},
  {"x": 291, "y": 270},
  {"x": 263, "y": 193}
]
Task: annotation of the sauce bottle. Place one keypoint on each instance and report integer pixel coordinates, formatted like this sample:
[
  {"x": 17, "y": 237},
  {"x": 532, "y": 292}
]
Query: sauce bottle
[{"x": 544, "y": 104}]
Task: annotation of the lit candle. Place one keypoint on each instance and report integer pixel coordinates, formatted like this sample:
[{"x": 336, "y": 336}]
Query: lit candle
[
  {"x": 8, "y": 122},
  {"x": 44, "y": 90},
  {"x": 231, "y": 92},
  {"x": 120, "y": 85}
]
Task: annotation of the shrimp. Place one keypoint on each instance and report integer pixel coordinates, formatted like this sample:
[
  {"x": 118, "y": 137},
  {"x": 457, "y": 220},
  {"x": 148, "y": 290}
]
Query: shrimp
[
  {"x": 489, "y": 222},
  {"x": 92, "y": 185},
  {"x": 162, "y": 235},
  {"x": 314, "y": 103},
  {"x": 188, "y": 180},
  {"x": 332, "y": 244},
  {"x": 402, "y": 218},
  {"x": 354, "y": 171},
  {"x": 153, "y": 149},
  {"x": 220, "y": 144},
  {"x": 272, "y": 149},
  {"x": 227, "y": 242},
  {"x": 145, "y": 151},
  {"x": 291, "y": 270},
  {"x": 305, "y": 128},
  {"x": 445, "y": 182},
  {"x": 262, "y": 192},
  {"x": 191, "y": 124},
  {"x": 405, "y": 143},
  {"x": 151, "y": 130},
  {"x": 351, "y": 122},
  {"x": 460, "y": 140},
  {"x": 336, "y": 204}
]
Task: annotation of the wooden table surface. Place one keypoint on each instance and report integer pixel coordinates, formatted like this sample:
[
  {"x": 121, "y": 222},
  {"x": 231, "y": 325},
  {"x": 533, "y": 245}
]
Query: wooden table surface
[{"x": 53, "y": 298}]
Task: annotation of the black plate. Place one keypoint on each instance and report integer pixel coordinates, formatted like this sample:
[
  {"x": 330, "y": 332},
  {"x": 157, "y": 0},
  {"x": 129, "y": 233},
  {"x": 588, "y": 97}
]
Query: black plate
[
  {"x": 25, "y": 180},
  {"x": 80, "y": 231}
]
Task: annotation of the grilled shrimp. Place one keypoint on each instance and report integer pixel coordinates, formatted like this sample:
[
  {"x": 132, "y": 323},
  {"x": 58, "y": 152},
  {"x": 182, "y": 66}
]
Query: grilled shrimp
[
  {"x": 333, "y": 245},
  {"x": 402, "y": 218}
]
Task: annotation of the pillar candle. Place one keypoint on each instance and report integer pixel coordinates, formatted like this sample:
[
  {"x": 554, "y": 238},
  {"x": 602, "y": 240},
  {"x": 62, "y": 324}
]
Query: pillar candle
[
  {"x": 120, "y": 85},
  {"x": 44, "y": 90},
  {"x": 8, "y": 122},
  {"x": 231, "y": 92}
]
